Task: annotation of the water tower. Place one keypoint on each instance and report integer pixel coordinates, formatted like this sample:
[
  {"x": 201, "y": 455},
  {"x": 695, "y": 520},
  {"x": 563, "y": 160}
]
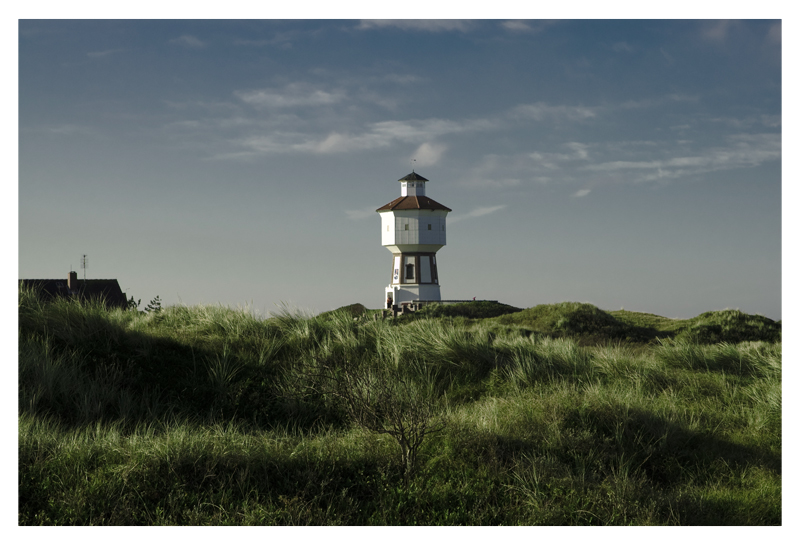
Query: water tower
[{"x": 413, "y": 229}]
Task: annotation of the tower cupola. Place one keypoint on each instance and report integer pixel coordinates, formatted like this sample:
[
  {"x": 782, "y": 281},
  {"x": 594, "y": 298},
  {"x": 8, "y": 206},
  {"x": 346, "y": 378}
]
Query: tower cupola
[{"x": 412, "y": 185}]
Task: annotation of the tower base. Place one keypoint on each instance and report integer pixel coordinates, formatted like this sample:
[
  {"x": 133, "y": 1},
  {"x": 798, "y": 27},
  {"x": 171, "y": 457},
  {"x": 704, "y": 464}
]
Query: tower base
[{"x": 411, "y": 292}]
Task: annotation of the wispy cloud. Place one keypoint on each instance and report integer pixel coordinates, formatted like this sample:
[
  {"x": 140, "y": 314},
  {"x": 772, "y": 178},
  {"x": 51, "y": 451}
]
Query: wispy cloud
[
  {"x": 654, "y": 102},
  {"x": 105, "y": 53},
  {"x": 360, "y": 214},
  {"x": 419, "y": 25},
  {"x": 71, "y": 130},
  {"x": 716, "y": 31},
  {"x": 428, "y": 154},
  {"x": 669, "y": 58},
  {"x": 375, "y": 135},
  {"x": 516, "y": 26},
  {"x": 532, "y": 27},
  {"x": 187, "y": 40},
  {"x": 476, "y": 213},
  {"x": 282, "y": 40},
  {"x": 292, "y": 96},
  {"x": 541, "y": 111},
  {"x": 304, "y": 118},
  {"x": 621, "y": 47},
  {"x": 403, "y": 79},
  {"x": 554, "y": 160},
  {"x": 774, "y": 34},
  {"x": 744, "y": 151}
]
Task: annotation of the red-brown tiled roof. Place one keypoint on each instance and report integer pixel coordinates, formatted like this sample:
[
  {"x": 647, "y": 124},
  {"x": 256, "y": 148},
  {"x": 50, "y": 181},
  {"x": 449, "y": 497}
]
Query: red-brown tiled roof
[{"x": 413, "y": 203}]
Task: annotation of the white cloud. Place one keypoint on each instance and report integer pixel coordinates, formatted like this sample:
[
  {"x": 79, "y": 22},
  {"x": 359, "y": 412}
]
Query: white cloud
[
  {"x": 553, "y": 160},
  {"x": 71, "y": 130},
  {"x": 516, "y": 26},
  {"x": 658, "y": 101},
  {"x": 187, "y": 40},
  {"x": 283, "y": 121},
  {"x": 581, "y": 193},
  {"x": 425, "y": 25},
  {"x": 282, "y": 40},
  {"x": 744, "y": 151},
  {"x": 579, "y": 150},
  {"x": 403, "y": 79},
  {"x": 105, "y": 53},
  {"x": 774, "y": 34},
  {"x": 622, "y": 46},
  {"x": 338, "y": 143},
  {"x": 491, "y": 183},
  {"x": 291, "y": 96},
  {"x": 476, "y": 213},
  {"x": 385, "y": 133},
  {"x": 540, "y": 111},
  {"x": 773, "y": 121},
  {"x": 428, "y": 154},
  {"x": 527, "y": 26},
  {"x": 716, "y": 31}
]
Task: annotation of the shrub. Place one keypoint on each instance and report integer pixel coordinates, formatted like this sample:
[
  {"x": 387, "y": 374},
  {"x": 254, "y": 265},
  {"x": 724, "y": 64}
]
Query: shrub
[{"x": 730, "y": 326}]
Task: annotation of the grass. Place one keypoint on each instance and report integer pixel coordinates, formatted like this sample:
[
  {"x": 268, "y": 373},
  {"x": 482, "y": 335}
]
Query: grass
[{"x": 554, "y": 415}]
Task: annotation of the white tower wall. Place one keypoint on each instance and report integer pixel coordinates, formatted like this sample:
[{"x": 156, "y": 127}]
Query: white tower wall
[
  {"x": 406, "y": 294},
  {"x": 412, "y": 189},
  {"x": 427, "y": 227}
]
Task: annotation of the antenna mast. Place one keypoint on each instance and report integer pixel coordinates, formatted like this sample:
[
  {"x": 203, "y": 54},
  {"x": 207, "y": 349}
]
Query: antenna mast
[{"x": 84, "y": 264}]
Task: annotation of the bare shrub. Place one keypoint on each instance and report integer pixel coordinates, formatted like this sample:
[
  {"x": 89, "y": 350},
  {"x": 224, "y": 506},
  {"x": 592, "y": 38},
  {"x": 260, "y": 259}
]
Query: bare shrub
[{"x": 384, "y": 400}]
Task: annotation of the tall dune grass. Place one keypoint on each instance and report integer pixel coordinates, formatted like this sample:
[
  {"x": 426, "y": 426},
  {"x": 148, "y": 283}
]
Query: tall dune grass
[{"x": 208, "y": 415}]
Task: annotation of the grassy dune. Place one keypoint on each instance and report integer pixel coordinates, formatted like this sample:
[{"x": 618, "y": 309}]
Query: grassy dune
[{"x": 554, "y": 415}]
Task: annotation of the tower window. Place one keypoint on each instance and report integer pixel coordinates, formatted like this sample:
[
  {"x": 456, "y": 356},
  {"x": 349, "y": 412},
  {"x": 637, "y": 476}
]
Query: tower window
[
  {"x": 409, "y": 271},
  {"x": 406, "y": 227},
  {"x": 429, "y": 227}
]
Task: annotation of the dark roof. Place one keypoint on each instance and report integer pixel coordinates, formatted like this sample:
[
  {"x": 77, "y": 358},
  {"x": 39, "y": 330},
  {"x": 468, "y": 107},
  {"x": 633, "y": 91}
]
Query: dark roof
[
  {"x": 413, "y": 203},
  {"x": 413, "y": 177},
  {"x": 108, "y": 290}
]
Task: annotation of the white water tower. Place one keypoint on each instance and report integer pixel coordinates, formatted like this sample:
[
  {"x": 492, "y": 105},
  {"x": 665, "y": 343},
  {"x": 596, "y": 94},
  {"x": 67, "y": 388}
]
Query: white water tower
[{"x": 413, "y": 229}]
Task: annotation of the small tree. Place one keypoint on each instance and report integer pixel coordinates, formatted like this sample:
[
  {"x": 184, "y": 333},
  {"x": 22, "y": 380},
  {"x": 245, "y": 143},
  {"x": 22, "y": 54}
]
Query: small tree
[
  {"x": 154, "y": 305},
  {"x": 385, "y": 401},
  {"x": 133, "y": 304}
]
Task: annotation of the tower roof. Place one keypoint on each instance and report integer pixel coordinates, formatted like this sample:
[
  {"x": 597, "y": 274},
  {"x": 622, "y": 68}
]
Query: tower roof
[
  {"x": 413, "y": 203},
  {"x": 413, "y": 177}
]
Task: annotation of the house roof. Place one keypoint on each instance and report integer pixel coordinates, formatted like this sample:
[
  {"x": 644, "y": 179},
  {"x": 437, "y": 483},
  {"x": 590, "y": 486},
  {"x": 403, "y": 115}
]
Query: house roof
[
  {"x": 413, "y": 177},
  {"x": 108, "y": 290},
  {"x": 420, "y": 202}
]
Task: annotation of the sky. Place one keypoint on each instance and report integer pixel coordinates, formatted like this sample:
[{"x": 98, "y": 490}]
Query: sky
[{"x": 628, "y": 164}]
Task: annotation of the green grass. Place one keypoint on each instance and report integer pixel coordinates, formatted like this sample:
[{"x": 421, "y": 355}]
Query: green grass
[{"x": 554, "y": 415}]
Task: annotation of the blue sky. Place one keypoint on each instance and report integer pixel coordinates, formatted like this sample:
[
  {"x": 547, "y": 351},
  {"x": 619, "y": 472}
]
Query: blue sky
[{"x": 629, "y": 164}]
